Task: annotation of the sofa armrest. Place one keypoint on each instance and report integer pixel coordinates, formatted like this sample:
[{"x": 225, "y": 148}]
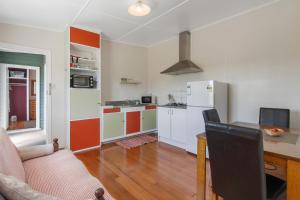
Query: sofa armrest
[{"x": 27, "y": 153}]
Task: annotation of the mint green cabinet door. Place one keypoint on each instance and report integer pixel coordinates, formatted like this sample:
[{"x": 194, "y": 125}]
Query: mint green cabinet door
[
  {"x": 113, "y": 125},
  {"x": 149, "y": 119}
]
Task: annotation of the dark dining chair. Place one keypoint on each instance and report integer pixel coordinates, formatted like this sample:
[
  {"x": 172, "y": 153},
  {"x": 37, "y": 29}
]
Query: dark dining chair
[
  {"x": 211, "y": 116},
  {"x": 274, "y": 117},
  {"x": 237, "y": 164}
]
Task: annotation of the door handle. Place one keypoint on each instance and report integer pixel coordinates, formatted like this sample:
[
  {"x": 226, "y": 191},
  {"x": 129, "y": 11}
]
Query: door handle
[
  {"x": 189, "y": 90},
  {"x": 50, "y": 89}
]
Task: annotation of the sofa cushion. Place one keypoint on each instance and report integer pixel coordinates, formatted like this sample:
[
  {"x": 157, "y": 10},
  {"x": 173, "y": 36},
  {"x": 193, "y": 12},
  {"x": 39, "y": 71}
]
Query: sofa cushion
[
  {"x": 27, "y": 153},
  {"x": 1, "y": 197},
  {"x": 14, "y": 189},
  {"x": 10, "y": 161},
  {"x": 62, "y": 175}
]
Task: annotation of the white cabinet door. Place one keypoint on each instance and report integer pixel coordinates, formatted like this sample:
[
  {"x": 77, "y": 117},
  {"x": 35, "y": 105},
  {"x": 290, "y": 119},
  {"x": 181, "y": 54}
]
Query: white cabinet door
[
  {"x": 164, "y": 122},
  {"x": 195, "y": 126},
  {"x": 178, "y": 125},
  {"x": 84, "y": 104}
]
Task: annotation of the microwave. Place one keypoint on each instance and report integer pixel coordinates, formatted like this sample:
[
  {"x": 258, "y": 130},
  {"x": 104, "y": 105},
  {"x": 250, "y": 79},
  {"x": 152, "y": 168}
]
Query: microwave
[
  {"x": 146, "y": 99},
  {"x": 82, "y": 81}
]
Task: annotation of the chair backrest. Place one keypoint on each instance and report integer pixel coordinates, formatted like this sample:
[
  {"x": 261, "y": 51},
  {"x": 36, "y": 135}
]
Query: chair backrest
[
  {"x": 211, "y": 116},
  {"x": 274, "y": 117},
  {"x": 236, "y": 160}
]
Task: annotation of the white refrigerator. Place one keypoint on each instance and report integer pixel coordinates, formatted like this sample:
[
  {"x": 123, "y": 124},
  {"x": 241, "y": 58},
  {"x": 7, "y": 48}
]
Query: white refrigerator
[{"x": 203, "y": 95}]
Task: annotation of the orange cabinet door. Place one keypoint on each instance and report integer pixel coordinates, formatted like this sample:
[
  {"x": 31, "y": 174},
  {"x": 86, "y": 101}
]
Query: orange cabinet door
[
  {"x": 84, "y": 134},
  {"x": 133, "y": 120},
  {"x": 84, "y": 37}
]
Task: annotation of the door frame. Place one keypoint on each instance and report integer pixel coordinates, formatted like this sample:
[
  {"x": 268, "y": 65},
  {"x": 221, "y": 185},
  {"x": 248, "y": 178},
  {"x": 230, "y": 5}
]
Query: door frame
[{"x": 47, "y": 80}]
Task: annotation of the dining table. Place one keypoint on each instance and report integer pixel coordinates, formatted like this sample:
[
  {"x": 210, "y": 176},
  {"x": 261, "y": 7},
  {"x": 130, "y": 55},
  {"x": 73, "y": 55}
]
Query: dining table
[{"x": 281, "y": 156}]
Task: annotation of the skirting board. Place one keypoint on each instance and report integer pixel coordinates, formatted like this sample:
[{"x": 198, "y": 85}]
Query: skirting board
[
  {"x": 172, "y": 142},
  {"x": 87, "y": 149}
]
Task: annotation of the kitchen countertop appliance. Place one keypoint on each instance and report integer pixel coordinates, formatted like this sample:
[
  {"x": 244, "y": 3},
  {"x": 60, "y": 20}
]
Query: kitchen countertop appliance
[
  {"x": 82, "y": 81},
  {"x": 146, "y": 99}
]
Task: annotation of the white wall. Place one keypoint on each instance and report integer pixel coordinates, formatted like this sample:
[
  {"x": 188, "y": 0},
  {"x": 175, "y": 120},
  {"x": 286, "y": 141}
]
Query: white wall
[
  {"x": 257, "y": 53},
  {"x": 54, "y": 42},
  {"x": 122, "y": 60}
]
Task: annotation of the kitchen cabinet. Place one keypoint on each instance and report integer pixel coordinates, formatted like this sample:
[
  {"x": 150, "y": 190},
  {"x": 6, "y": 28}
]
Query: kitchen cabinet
[
  {"x": 149, "y": 119},
  {"x": 164, "y": 122},
  {"x": 83, "y": 114},
  {"x": 84, "y": 37},
  {"x": 178, "y": 125},
  {"x": 125, "y": 121},
  {"x": 84, "y": 134},
  {"x": 133, "y": 124},
  {"x": 84, "y": 104},
  {"x": 172, "y": 126},
  {"x": 113, "y": 125}
]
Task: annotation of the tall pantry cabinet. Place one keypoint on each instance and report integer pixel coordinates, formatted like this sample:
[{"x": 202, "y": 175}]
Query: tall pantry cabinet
[{"x": 83, "y": 109}]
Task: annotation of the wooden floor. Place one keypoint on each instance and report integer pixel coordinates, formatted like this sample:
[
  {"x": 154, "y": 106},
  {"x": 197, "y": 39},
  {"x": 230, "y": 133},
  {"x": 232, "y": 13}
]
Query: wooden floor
[
  {"x": 154, "y": 171},
  {"x": 21, "y": 125}
]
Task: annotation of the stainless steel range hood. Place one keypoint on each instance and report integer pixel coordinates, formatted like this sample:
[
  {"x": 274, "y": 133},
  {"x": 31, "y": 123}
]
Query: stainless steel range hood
[{"x": 185, "y": 65}]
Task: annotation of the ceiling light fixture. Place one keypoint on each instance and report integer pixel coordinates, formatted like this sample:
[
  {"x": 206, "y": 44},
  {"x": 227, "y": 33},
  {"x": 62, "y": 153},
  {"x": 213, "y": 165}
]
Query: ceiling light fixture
[{"x": 139, "y": 9}]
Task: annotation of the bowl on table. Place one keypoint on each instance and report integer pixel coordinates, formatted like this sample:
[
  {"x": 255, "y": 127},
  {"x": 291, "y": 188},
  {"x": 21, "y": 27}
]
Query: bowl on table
[{"x": 274, "y": 132}]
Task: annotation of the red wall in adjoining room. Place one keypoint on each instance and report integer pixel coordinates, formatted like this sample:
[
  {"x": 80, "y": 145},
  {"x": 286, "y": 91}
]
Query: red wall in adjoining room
[{"x": 17, "y": 96}]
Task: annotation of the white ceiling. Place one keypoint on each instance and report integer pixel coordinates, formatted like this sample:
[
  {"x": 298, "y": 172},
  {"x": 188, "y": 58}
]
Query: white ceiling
[{"x": 167, "y": 19}]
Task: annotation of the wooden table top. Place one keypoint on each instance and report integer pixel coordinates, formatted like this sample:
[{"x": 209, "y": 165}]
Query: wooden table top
[{"x": 286, "y": 146}]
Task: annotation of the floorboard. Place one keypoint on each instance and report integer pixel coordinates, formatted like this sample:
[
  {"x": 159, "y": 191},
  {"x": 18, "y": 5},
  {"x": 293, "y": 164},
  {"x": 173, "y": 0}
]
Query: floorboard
[{"x": 154, "y": 171}]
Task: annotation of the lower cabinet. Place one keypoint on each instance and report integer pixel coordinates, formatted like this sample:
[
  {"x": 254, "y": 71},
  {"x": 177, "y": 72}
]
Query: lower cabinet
[
  {"x": 122, "y": 122},
  {"x": 113, "y": 125},
  {"x": 164, "y": 122},
  {"x": 178, "y": 125},
  {"x": 172, "y": 126},
  {"x": 84, "y": 134},
  {"x": 133, "y": 124},
  {"x": 149, "y": 119}
]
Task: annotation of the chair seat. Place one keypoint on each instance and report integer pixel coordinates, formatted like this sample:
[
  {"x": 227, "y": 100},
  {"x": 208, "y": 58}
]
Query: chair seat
[{"x": 275, "y": 188}]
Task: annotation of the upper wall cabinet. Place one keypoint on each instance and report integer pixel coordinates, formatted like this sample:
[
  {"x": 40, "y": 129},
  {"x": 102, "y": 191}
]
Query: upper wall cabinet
[{"x": 84, "y": 37}]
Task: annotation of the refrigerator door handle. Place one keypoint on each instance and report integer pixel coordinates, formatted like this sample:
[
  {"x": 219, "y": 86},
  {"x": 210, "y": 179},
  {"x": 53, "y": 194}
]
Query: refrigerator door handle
[{"x": 189, "y": 90}]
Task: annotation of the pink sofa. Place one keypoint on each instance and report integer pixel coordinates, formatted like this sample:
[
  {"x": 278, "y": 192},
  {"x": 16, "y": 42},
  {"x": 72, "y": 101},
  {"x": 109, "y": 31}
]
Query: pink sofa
[{"x": 59, "y": 174}]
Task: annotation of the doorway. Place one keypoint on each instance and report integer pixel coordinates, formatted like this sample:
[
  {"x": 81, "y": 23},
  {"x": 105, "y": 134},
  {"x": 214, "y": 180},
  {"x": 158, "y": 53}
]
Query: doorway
[
  {"x": 22, "y": 98},
  {"x": 41, "y": 60}
]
